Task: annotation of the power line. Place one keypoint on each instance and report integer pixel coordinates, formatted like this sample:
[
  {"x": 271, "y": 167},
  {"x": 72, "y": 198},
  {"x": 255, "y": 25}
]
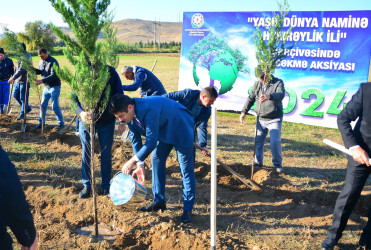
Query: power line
[{"x": 156, "y": 31}]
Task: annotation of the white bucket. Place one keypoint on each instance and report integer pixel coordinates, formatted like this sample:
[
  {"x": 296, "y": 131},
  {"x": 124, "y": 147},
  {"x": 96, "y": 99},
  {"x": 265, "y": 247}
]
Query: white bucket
[{"x": 124, "y": 189}]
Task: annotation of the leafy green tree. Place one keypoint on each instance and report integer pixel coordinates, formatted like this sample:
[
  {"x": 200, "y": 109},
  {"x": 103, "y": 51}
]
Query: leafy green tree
[
  {"x": 20, "y": 54},
  {"x": 38, "y": 35},
  {"x": 59, "y": 44},
  {"x": 270, "y": 53},
  {"x": 4, "y": 43},
  {"x": 87, "y": 18}
]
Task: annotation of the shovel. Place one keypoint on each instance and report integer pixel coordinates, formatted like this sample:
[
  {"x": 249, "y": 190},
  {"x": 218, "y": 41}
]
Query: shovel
[
  {"x": 247, "y": 182},
  {"x": 64, "y": 130},
  {"x": 23, "y": 127}
]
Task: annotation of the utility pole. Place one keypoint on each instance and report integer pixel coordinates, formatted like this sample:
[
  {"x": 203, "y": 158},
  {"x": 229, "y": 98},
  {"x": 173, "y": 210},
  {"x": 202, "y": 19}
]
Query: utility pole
[{"x": 156, "y": 32}]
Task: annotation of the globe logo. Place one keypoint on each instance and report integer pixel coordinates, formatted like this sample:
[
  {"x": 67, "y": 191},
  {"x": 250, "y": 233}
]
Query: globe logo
[
  {"x": 197, "y": 20},
  {"x": 216, "y": 67}
]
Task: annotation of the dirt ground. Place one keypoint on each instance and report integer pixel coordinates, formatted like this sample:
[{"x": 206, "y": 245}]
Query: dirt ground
[{"x": 292, "y": 211}]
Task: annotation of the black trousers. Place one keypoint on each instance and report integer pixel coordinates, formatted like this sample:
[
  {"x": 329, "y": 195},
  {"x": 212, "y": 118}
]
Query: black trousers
[{"x": 354, "y": 182}]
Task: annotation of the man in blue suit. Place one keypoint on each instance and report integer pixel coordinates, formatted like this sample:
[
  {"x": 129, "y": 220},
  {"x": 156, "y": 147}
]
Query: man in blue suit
[
  {"x": 165, "y": 124},
  {"x": 14, "y": 209},
  {"x": 149, "y": 84},
  {"x": 199, "y": 104}
]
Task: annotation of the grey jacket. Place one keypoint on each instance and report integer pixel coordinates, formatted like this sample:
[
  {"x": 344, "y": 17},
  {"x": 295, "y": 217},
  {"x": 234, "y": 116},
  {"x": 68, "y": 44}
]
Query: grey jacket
[
  {"x": 272, "y": 108},
  {"x": 47, "y": 72},
  {"x": 20, "y": 76}
]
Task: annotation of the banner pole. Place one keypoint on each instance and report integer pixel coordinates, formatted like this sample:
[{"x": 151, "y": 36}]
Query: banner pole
[{"x": 213, "y": 178}]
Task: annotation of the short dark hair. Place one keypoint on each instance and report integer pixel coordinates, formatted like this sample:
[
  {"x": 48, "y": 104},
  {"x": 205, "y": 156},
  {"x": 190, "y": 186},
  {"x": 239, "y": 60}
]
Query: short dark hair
[
  {"x": 210, "y": 92},
  {"x": 42, "y": 51},
  {"x": 23, "y": 46},
  {"x": 120, "y": 103}
]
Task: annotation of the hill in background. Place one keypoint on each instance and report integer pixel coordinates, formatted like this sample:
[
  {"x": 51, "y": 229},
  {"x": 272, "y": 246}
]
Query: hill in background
[{"x": 136, "y": 30}]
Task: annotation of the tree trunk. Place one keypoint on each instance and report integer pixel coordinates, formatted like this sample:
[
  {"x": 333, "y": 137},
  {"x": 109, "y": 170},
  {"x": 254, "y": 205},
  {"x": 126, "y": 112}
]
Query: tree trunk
[
  {"x": 92, "y": 168},
  {"x": 256, "y": 133}
]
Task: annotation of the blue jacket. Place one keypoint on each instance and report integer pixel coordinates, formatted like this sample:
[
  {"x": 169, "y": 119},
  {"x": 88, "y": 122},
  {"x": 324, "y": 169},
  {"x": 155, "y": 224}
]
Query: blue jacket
[
  {"x": 14, "y": 209},
  {"x": 7, "y": 69},
  {"x": 189, "y": 97},
  {"x": 162, "y": 120},
  {"x": 149, "y": 84},
  {"x": 115, "y": 88}
]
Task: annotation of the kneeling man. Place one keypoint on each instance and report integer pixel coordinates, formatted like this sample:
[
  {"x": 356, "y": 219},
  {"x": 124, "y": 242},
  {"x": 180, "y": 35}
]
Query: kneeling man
[{"x": 165, "y": 124}]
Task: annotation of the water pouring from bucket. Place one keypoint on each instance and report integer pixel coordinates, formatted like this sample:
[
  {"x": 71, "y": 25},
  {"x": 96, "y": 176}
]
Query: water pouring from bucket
[{"x": 125, "y": 190}]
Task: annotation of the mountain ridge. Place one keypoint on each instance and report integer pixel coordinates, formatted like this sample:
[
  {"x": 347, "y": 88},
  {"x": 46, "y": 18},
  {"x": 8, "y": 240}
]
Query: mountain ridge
[{"x": 136, "y": 30}]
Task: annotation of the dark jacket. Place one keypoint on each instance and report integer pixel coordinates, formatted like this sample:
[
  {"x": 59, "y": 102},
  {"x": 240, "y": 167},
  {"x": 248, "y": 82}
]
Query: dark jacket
[
  {"x": 14, "y": 209},
  {"x": 6, "y": 69},
  {"x": 149, "y": 84},
  {"x": 358, "y": 107},
  {"x": 115, "y": 88},
  {"x": 189, "y": 97},
  {"x": 272, "y": 108},
  {"x": 47, "y": 72},
  {"x": 161, "y": 119},
  {"x": 20, "y": 76}
]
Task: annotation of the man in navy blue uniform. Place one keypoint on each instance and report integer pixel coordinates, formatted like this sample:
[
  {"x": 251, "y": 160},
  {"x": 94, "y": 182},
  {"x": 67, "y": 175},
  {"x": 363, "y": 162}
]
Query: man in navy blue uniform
[
  {"x": 166, "y": 124},
  {"x": 6, "y": 71},
  {"x": 14, "y": 209},
  {"x": 144, "y": 79},
  {"x": 199, "y": 104},
  {"x": 358, "y": 140},
  {"x": 105, "y": 127}
]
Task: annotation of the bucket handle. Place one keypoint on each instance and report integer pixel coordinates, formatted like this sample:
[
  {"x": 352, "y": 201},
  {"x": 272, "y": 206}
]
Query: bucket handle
[{"x": 119, "y": 172}]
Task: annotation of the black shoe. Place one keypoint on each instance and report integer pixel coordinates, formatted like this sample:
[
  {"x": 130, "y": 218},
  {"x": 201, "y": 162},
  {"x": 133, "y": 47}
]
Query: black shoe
[
  {"x": 60, "y": 126},
  {"x": 186, "y": 217},
  {"x": 153, "y": 207},
  {"x": 37, "y": 127},
  {"x": 20, "y": 117},
  {"x": 85, "y": 193},
  {"x": 29, "y": 110}
]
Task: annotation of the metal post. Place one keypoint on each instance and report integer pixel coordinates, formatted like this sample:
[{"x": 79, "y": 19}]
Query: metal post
[
  {"x": 213, "y": 178},
  {"x": 154, "y": 32},
  {"x": 159, "y": 32}
]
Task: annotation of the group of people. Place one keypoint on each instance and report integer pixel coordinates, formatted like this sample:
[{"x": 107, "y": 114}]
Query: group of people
[
  {"x": 167, "y": 120},
  {"x": 18, "y": 77},
  {"x": 176, "y": 120}
]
